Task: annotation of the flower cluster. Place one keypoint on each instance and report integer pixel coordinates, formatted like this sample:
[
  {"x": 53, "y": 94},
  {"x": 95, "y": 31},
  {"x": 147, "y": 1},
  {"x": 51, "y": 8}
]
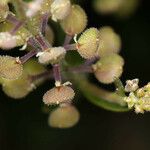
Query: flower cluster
[
  {"x": 27, "y": 26},
  {"x": 139, "y": 98}
]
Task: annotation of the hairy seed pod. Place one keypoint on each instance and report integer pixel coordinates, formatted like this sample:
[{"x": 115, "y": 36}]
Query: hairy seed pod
[
  {"x": 53, "y": 55},
  {"x": 64, "y": 117},
  {"x": 7, "y": 41},
  {"x": 87, "y": 44},
  {"x": 58, "y": 95},
  {"x": 60, "y": 9},
  {"x": 10, "y": 68},
  {"x": 4, "y": 10},
  {"x": 108, "y": 68},
  {"x": 18, "y": 88},
  {"x": 107, "y": 6},
  {"x": 109, "y": 41},
  {"x": 75, "y": 22}
]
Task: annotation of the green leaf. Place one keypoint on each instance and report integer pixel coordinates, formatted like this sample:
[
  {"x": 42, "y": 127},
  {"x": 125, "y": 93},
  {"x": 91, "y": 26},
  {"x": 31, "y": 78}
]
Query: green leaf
[{"x": 108, "y": 100}]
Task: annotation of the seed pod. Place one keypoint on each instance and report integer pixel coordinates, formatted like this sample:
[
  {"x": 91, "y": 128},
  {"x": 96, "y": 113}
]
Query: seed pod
[
  {"x": 18, "y": 88},
  {"x": 7, "y": 41},
  {"x": 10, "y": 68},
  {"x": 60, "y": 9},
  {"x": 75, "y": 22},
  {"x": 53, "y": 55},
  {"x": 87, "y": 44},
  {"x": 33, "y": 68},
  {"x": 107, "y": 6},
  {"x": 58, "y": 95},
  {"x": 4, "y": 9},
  {"x": 108, "y": 68},
  {"x": 109, "y": 41},
  {"x": 64, "y": 117}
]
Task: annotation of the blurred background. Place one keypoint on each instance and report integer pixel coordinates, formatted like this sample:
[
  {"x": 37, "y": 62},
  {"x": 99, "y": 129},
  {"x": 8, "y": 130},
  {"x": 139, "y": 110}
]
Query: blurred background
[{"x": 23, "y": 126}]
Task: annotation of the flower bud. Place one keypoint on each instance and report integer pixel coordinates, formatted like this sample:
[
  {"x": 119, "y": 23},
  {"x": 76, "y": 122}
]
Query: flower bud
[
  {"x": 64, "y": 117},
  {"x": 75, "y": 22},
  {"x": 108, "y": 68},
  {"x": 60, "y": 9},
  {"x": 53, "y": 55},
  {"x": 131, "y": 85},
  {"x": 87, "y": 44},
  {"x": 109, "y": 41},
  {"x": 58, "y": 95},
  {"x": 7, "y": 41},
  {"x": 10, "y": 68}
]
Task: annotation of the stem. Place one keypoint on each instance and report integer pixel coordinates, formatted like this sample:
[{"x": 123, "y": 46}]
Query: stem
[
  {"x": 68, "y": 39},
  {"x": 29, "y": 55},
  {"x": 70, "y": 47},
  {"x": 91, "y": 61},
  {"x": 42, "y": 41},
  {"x": 81, "y": 69},
  {"x": 56, "y": 73},
  {"x": 16, "y": 28},
  {"x": 34, "y": 43},
  {"x": 44, "y": 23},
  {"x": 44, "y": 75}
]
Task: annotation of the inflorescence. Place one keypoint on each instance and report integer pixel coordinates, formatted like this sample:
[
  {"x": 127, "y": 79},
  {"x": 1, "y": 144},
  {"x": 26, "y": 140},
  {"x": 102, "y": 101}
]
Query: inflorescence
[{"x": 27, "y": 26}]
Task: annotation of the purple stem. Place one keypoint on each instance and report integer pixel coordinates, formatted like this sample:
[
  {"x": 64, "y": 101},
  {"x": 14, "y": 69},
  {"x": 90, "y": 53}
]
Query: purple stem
[
  {"x": 44, "y": 75},
  {"x": 91, "y": 61},
  {"x": 42, "y": 41},
  {"x": 27, "y": 56},
  {"x": 70, "y": 47},
  {"x": 81, "y": 69},
  {"x": 68, "y": 39},
  {"x": 44, "y": 23},
  {"x": 56, "y": 72},
  {"x": 16, "y": 28}
]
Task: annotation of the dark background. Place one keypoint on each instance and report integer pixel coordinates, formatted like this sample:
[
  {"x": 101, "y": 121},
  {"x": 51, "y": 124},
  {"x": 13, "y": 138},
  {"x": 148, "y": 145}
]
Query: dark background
[{"x": 23, "y": 126}]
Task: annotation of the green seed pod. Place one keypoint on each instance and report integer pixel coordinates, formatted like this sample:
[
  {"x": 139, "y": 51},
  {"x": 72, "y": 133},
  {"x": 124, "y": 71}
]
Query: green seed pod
[
  {"x": 60, "y": 9},
  {"x": 33, "y": 68},
  {"x": 4, "y": 9},
  {"x": 87, "y": 44},
  {"x": 107, "y": 6},
  {"x": 75, "y": 22},
  {"x": 109, "y": 41},
  {"x": 53, "y": 55},
  {"x": 64, "y": 117},
  {"x": 108, "y": 68},
  {"x": 127, "y": 8},
  {"x": 10, "y": 67},
  {"x": 58, "y": 95},
  {"x": 18, "y": 88}
]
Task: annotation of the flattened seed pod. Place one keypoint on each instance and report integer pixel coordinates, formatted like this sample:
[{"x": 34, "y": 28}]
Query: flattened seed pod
[
  {"x": 60, "y": 9},
  {"x": 18, "y": 88},
  {"x": 108, "y": 68},
  {"x": 75, "y": 22},
  {"x": 109, "y": 41},
  {"x": 10, "y": 68},
  {"x": 87, "y": 44},
  {"x": 58, "y": 95},
  {"x": 64, "y": 117}
]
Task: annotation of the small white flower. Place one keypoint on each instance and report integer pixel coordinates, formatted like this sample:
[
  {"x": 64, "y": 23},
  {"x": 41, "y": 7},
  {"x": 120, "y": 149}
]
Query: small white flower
[{"x": 131, "y": 85}]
